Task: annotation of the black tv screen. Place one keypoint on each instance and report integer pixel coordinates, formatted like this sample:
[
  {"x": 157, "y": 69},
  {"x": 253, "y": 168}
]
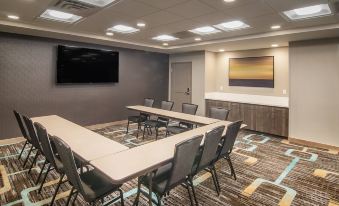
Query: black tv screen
[{"x": 84, "y": 65}]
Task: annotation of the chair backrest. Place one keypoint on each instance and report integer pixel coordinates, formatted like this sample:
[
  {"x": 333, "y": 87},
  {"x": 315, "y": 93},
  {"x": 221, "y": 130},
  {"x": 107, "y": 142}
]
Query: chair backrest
[
  {"x": 184, "y": 156},
  {"x": 229, "y": 138},
  {"x": 188, "y": 108},
  {"x": 211, "y": 142},
  {"x": 166, "y": 105},
  {"x": 46, "y": 145},
  {"x": 21, "y": 125},
  {"x": 67, "y": 159},
  {"x": 148, "y": 102},
  {"x": 219, "y": 113},
  {"x": 32, "y": 133}
]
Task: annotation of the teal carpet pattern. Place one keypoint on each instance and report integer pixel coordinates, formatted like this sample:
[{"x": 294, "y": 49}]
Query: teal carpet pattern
[{"x": 270, "y": 171}]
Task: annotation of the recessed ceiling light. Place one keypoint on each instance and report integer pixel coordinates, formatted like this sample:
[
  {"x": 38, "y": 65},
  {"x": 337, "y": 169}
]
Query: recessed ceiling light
[
  {"x": 274, "y": 45},
  {"x": 275, "y": 27},
  {"x": 123, "y": 29},
  {"x": 99, "y": 3},
  {"x": 109, "y": 33},
  {"x": 308, "y": 12},
  {"x": 13, "y": 17},
  {"x": 141, "y": 24},
  {"x": 221, "y": 50},
  {"x": 165, "y": 37},
  {"x": 197, "y": 39},
  {"x": 165, "y": 44},
  {"x": 232, "y": 25},
  {"x": 205, "y": 30},
  {"x": 60, "y": 16},
  {"x": 229, "y": 1}
]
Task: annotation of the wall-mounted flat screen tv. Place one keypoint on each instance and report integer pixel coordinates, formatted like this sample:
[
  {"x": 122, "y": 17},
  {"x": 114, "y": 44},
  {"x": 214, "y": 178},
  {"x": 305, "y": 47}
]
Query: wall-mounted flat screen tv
[{"x": 76, "y": 65}]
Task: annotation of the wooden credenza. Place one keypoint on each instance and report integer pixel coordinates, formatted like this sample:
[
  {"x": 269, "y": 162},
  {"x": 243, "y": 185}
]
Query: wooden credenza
[{"x": 261, "y": 118}]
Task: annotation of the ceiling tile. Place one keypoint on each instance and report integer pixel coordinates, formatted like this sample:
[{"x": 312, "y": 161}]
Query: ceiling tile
[
  {"x": 212, "y": 18},
  {"x": 191, "y": 9},
  {"x": 221, "y": 5},
  {"x": 162, "y": 4},
  {"x": 250, "y": 10},
  {"x": 160, "y": 18},
  {"x": 133, "y": 8}
]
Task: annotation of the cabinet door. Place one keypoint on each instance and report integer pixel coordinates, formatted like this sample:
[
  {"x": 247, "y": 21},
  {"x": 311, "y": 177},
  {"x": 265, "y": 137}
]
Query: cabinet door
[
  {"x": 280, "y": 121},
  {"x": 248, "y": 115},
  {"x": 235, "y": 111},
  {"x": 263, "y": 119}
]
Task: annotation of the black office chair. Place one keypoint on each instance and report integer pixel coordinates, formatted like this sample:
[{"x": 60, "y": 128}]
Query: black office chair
[
  {"x": 218, "y": 113},
  {"x": 142, "y": 117},
  {"x": 187, "y": 108},
  {"x": 206, "y": 158},
  {"x": 34, "y": 140},
  {"x": 175, "y": 173},
  {"x": 23, "y": 130},
  {"x": 91, "y": 184},
  {"x": 227, "y": 142},
  {"x": 160, "y": 121}
]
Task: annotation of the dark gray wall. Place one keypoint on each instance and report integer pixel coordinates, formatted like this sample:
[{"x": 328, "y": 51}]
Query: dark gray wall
[{"x": 27, "y": 84}]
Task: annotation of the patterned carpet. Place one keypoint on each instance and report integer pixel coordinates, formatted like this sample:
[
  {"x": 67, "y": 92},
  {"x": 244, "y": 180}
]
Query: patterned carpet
[{"x": 270, "y": 171}]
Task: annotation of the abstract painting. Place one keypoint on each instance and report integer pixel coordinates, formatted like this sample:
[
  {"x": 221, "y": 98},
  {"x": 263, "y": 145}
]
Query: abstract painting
[{"x": 252, "y": 71}]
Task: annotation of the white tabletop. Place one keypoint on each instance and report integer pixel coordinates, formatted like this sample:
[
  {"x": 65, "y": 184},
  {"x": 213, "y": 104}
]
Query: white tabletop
[
  {"x": 249, "y": 99},
  {"x": 129, "y": 164},
  {"x": 84, "y": 142},
  {"x": 174, "y": 115}
]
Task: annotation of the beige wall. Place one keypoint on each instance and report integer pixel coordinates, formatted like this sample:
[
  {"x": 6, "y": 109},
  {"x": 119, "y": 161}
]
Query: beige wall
[
  {"x": 314, "y": 97},
  {"x": 210, "y": 69},
  {"x": 280, "y": 72},
  {"x": 198, "y": 76}
]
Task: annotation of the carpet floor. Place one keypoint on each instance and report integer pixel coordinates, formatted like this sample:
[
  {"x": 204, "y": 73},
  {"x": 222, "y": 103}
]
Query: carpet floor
[{"x": 270, "y": 171}]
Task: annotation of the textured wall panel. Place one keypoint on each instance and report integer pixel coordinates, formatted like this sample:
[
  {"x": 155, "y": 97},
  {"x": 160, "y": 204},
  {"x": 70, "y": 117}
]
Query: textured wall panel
[{"x": 28, "y": 76}]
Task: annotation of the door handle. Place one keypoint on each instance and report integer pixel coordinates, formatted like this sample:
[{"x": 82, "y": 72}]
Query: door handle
[{"x": 188, "y": 91}]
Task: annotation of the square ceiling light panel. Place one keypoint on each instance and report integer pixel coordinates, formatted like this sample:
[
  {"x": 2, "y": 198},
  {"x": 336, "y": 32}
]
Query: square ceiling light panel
[
  {"x": 123, "y": 29},
  {"x": 232, "y": 25},
  {"x": 61, "y": 16},
  {"x": 165, "y": 37},
  {"x": 98, "y": 3},
  {"x": 308, "y": 12},
  {"x": 205, "y": 30}
]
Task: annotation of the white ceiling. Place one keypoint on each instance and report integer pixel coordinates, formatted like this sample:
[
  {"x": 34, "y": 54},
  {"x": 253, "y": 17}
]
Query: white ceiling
[{"x": 173, "y": 16}]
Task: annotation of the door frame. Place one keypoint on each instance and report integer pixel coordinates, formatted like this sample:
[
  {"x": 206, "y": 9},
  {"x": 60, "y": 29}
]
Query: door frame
[{"x": 171, "y": 80}]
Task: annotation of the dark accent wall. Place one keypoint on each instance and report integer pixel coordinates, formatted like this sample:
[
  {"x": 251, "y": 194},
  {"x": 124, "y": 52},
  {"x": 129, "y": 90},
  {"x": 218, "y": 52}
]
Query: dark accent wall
[{"x": 28, "y": 84}]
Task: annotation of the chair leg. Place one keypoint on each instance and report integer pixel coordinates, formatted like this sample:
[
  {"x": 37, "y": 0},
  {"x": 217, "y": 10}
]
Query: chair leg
[
  {"x": 231, "y": 167},
  {"x": 193, "y": 191},
  {"x": 143, "y": 133},
  {"x": 57, "y": 189},
  {"x": 29, "y": 153},
  {"x": 121, "y": 197},
  {"x": 70, "y": 196},
  {"x": 216, "y": 178},
  {"x": 22, "y": 150},
  {"x": 127, "y": 127},
  {"x": 189, "y": 194},
  {"x": 215, "y": 182},
  {"x": 44, "y": 179},
  {"x": 41, "y": 171},
  {"x": 34, "y": 161},
  {"x": 136, "y": 201},
  {"x": 75, "y": 198},
  {"x": 156, "y": 133},
  {"x": 158, "y": 199}
]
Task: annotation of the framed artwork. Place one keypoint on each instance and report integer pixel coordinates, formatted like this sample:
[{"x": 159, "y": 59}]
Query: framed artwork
[{"x": 252, "y": 71}]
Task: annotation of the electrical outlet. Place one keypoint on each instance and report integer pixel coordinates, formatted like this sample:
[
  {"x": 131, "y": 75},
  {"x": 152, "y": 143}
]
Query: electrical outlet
[{"x": 284, "y": 91}]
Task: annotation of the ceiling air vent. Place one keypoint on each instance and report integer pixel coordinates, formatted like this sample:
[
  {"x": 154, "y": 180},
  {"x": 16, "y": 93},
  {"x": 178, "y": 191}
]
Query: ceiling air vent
[{"x": 184, "y": 34}]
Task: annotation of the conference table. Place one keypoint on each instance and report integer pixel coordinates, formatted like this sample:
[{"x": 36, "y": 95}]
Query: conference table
[
  {"x": 116, "y": 161},
  {"x": 85, "y": 143}
]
